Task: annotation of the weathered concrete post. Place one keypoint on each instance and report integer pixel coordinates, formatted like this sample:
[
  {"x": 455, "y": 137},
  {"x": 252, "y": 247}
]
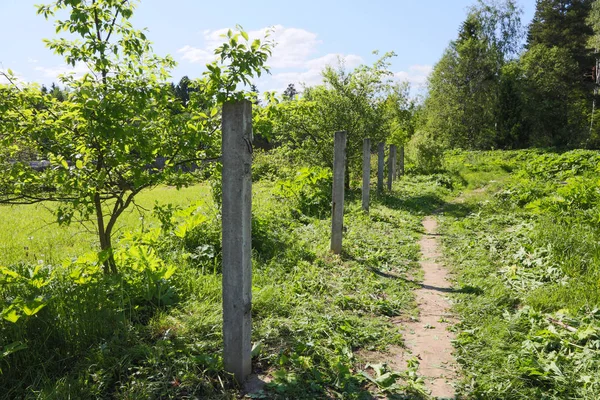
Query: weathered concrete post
[
  {"x": 391, "y": 166},
  {"x": 337, "y": 204},
  {"x": 401, "y": 160},
  {"x": 366, "y": 178},
  {"x": 237, "y": 222},
  {"x": 380, "y": 166}
]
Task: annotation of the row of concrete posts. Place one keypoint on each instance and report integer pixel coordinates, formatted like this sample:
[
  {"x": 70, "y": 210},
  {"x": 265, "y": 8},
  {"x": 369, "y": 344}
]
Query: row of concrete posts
[
  {"x": 339, "y": 165},
  {"x": 237, "y": 223},
  {"x": 394, "y": 168}
]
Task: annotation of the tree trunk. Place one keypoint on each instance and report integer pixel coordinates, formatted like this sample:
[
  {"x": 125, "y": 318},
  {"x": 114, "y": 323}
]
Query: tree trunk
[{"x": 109, "y": 264}]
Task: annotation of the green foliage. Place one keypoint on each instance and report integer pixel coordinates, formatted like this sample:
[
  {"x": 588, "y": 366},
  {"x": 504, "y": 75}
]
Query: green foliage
[
  {"x": 425, "y": 151},
  {"x": 386, "y": 379},
  {"x": 554, "y": 102},
  {"x": 309, "y": 191},
  {"x": 526, "y": 258},
  {"x": 160, "y": 332},
  {"x": 464, "y": 87},
  {"x": 482, "y": 96},
  {"x": 102, "y": 142},
  {"x": 562, "y": 24},
  {"x": 364, "y": 102},
  {"x": 30, "y": 301}
]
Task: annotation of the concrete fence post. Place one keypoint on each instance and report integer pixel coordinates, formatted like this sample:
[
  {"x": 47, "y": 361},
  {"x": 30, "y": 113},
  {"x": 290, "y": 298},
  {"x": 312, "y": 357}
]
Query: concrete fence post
[
  {"x": 236, "y": 223},
  {"x": 401, "y": 160},
  {"x": 391, "y": 166},
  {"x": 380, "y": 166},
  {"x": 337, "y": 204},
  {"x": 366, "y": 174}
]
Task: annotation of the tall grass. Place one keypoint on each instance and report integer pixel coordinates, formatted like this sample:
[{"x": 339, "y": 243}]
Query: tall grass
[{"x": 147, "y": 334}]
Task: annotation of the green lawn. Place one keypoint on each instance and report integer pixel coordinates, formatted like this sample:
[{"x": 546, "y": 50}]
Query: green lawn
[{"x": 30, "y": 232}]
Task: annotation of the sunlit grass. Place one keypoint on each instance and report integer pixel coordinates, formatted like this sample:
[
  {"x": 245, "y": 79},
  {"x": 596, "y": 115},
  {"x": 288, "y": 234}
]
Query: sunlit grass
[{"x": 30, "y": 233}]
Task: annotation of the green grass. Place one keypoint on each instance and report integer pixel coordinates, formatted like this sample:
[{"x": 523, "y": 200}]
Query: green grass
[
  {"x": 526, "y": 257},
  {"x": 520, "y": 231},
  {"x": 143, "y": 334},
  {"x": 30, "y": 232}
]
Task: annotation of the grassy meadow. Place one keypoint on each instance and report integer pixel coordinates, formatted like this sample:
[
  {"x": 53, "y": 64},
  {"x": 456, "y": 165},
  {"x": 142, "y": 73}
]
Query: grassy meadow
[
  {"x": 154, "y": 330},
  {"x": 526, "y": 259},
  {"x": 519, "y": 231},
  {"x": 30, "y": 232}
]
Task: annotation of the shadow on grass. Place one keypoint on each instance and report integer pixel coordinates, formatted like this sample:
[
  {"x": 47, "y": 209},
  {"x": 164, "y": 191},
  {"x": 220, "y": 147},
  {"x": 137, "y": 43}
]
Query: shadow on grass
[
  {"x": 302, "y": 390},
  {"x": 425, "y": 204},
  {"x": 464, "y": 289},
  {"x": 421, "y": 204},
  {"x": 457, "y": 210}
]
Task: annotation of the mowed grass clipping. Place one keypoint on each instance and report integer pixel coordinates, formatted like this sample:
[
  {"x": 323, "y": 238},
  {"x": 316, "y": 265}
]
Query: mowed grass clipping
[{"x": 527, "y": 262}]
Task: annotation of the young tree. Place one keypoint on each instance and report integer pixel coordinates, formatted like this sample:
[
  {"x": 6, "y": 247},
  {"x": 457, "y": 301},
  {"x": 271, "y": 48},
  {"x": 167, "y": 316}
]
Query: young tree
[
  {"x": 352, "y": 101},
  {"x": 290, "y": 92},
  {"x": 103, "y": 139}
]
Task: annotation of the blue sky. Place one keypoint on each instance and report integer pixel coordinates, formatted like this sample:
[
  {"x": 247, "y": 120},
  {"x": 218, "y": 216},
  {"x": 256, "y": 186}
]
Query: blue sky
[{"x": 310, "y": 34}]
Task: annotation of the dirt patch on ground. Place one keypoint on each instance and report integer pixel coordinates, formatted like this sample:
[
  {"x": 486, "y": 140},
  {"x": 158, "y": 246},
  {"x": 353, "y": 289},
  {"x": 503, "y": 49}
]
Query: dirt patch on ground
[{"x": 428, "y": 338}]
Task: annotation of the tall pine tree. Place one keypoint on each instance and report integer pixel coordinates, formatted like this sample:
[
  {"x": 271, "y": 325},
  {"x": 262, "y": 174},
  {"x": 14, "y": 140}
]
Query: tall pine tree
[{"x": 556, "y": 70}]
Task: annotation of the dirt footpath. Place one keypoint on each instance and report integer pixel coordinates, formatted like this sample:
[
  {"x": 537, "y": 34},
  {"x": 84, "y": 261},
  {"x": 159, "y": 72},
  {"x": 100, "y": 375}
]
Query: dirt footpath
[{"x": 428, "y": 338}]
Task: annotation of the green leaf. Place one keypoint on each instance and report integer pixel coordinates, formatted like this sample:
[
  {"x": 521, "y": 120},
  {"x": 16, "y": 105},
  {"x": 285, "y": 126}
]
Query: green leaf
[
  {"x": 32, "y": 307},
  {"x": 256, "y": 349},
  {"x": 13, "y": 348},
  {"x": 10, "y": 314},
  {"x": 244, "y": 35}
]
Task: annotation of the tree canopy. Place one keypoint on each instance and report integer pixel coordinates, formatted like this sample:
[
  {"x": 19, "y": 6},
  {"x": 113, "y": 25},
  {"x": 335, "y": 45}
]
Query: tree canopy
[{"x": 102, "y": 141}]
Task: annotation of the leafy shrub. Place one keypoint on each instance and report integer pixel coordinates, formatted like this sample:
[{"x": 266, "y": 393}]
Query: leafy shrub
[
  {"x": 272, "y": 165},
  {"x": 425, "y": 152},
  {"x": 309, "y": 191},
  {"x": 522, "y": 192}
]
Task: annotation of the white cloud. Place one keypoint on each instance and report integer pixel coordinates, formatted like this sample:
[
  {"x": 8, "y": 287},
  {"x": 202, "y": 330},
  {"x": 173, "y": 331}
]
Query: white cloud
[
  {"x": 292, "y": 61},
  {"x": 54, "y": 72},
  {"x": 416, "y": 75},
  {"x": 349, "y": 61},
  {"x": 196, "y": 55},
  {"x": 311, "y": 75},
  {"x": 293, "y": 46}
]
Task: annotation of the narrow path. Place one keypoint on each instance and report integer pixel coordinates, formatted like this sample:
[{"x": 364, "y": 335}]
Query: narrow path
[{"x": 428, "y": 338}]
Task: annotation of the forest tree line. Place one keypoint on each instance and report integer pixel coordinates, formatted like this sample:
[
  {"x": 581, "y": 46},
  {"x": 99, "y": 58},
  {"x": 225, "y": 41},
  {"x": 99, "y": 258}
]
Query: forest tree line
[{"x": 499, "y": 85}]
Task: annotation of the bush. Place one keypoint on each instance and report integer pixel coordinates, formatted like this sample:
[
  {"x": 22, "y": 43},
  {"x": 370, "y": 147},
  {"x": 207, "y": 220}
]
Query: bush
[
  {"x": 425, "y": 152},
  {"x": 309, "y": 191}
]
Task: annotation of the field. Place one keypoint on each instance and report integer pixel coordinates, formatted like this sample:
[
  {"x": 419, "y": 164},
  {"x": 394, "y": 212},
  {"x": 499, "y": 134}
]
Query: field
[
  {"x": 474, "y": 275},
  {"x": 519, "y": 234},
  {"x": 160, "y": 335},
  {"x": 526, "y": 257}
]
